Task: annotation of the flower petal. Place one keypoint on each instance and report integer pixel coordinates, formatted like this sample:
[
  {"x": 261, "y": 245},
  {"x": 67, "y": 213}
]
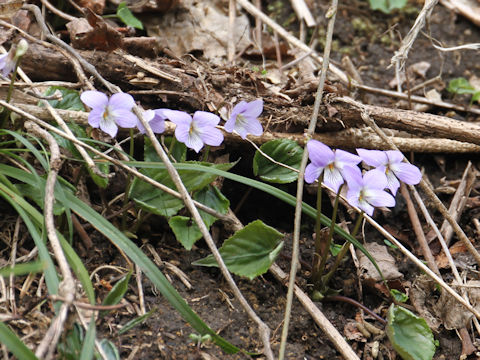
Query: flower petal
[
  {"x": 312, "y": 172},
  {"x": 353, "y": 196},
  {"x": 240, "y": 108},
  {"x": 94, "y": 99},
  {"x": 392, "y": 182},
  {"x": 147, "y": 116},
  {"x": 366, "y": 207},
  {"x": 194, "y": 141},
  {"x": 343, "y": 158},
  {"x": 178, "y": 117},
  {"x": 121, "y": 101},
  {"x": 373, "y": 157},
  {"x": 375, "y": 179},
  {"x": 205, "y": 120},
  {"x": 254, "y": 109},
  {"x": 95, "y": 117},
  {"x": 353, "y": 176},
  {"x": 407, "y": 173},
  {"x": 319, "y": 153},
  {"x": 254, "y": 127},
  {"x": 125, "y": 118},
  {"x": 182, "y": 132},
  {"x": 394, "y": 156},
  {"x": 378, "y": 198},
  {"x": 109, "y": 127},
  {"x": 213, "y": 137},
  {"x": 333, "y": 178}
]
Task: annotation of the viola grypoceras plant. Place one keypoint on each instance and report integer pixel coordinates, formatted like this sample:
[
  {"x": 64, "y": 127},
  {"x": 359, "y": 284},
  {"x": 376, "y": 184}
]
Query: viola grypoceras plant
[
  {"x": 109, "y": 113},
  {"x": 195, "y": 131},
  {"x": 155, "y": 118},
  {"x": 368, "y": 191},
  {"x": 330, "y": 163},
  {"x": 244, "y": 118},
  {"x": 391, "y": 163}
]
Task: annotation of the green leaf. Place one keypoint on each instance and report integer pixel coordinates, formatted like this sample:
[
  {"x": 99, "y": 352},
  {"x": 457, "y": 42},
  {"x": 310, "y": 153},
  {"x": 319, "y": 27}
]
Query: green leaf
[
  {"x": 176, "y": 149},
  {"x": 158, "y": 202},
  {"x": 250, "y": 251},
  {"x": 460, "y": 86},
  {"x": 285, "y": 151},
  {"x": 71, "y": 346},
  {"x": 185, "y": 229},
  {"x": 37, "y": 194},
  {"x": 386, "y": 6},
  {"x": 269, "y": 189},
  {"x": 23, "y": 269},
  {"x": 398, "y": 295},
  {"x": 88, "y": 346},
  {"x": 109, "y": 349},
  {"x": 137, "y": 321},
  {"x": 70, "y": 99},
  {"x": 14, "y": 344},
  {"x": 117, "y": 293},
  {"x": 124, "y": 14},
  {"x": 409, "y": 334}
]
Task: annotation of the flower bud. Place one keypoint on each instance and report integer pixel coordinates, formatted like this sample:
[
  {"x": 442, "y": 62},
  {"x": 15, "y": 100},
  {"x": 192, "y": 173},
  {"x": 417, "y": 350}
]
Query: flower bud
[{"x": 22, "y": 48}]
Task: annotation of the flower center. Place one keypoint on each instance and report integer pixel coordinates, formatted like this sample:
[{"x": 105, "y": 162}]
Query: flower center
[{"x": 331, "y": 166}]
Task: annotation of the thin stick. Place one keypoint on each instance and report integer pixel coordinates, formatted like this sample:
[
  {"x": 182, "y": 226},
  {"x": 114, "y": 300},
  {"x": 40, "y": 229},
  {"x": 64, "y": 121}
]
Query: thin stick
[
  {"x": 331, "y": 14},
  {"x": 231, "y": 30},
  {"x": 263, "y": 329},
  {"x": 67, "y": 286},
  {"x": 417, "y": 228}
]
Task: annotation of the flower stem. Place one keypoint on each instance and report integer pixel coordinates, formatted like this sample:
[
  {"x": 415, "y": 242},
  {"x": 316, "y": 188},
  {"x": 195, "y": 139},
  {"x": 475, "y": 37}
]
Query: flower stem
[
  {"x": 326, "y": 247},
  {"x": 205, "y": 155},
  {"x": 129, "y": 181},
  {"x": 6, "y": 112},
  {"x": 318, "y": 237},
  {"x": 342, "y": 253}
]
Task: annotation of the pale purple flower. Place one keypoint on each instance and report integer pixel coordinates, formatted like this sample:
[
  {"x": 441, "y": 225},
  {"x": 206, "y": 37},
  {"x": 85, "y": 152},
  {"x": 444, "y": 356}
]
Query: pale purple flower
[
  {"x": 331, "y": 162},
  {"x": 244, "y": 118},
  {"x": 7, "y": 63},
  {"x": 391, "y": 163},
  {"x": 368, "y": 191},
  {"x": 156, "y": 120},
  {"x": 109, "y": 113},
  {"x": 197, "y": 131}
]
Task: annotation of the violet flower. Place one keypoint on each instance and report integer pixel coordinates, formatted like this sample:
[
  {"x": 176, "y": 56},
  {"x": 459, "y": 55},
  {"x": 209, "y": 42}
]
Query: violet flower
[
  {"x": 156, "y": 120},
  {"x": 109, "y": 113},
  {"x": 391, "y": 163},
  {"x": 197, "y": 131},
  {"x": 368, "y": 191},
  {"x": 331, "y": 162},
  {"x": 7, "y": 63},
  {"x": 244, "y": 118}
]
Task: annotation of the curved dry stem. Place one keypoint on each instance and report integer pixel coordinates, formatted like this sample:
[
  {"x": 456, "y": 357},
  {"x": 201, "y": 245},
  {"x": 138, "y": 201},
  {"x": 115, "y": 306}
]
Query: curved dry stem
[{"x": 298, "y": 207}]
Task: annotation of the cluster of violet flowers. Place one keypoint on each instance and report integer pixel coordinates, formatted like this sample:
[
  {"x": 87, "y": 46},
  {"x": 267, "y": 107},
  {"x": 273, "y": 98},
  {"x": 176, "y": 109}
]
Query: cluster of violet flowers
[
  {"x": 365, "y": 191},
  {"x": 194, "y": 131}
]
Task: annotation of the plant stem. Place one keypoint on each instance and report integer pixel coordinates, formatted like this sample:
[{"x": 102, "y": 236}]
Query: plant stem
[
  {"x": 7, "y": 112},
  {"x": 129, "y": 182},
  {"x": 326, "y": 246},
  {"x": 342, "y": 253}
]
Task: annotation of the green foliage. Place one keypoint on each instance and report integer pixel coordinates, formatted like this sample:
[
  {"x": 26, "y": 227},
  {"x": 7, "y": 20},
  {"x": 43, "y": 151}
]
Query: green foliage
[
  {"x": 23, "y": 269},
  {"x": 284, "y": 151},
  {"x": 124, "y": 14},
  {"x": 71, "y": 347},
  {"x": 70, "y": 99},
  {"x": 386, "y": 6},
  {"x": 398, "y": 295},
  {"x": 14, "y": 344},
  {"x": 109, "y": 349},
  {"x": 250, "y": 251},
  {"x": 117, "y": 292},
  {"x": 137, "y": 321},
  {"x": 269, "y": 189},
  {"x": 185, "y": 229},
  {"x": 409, "y": 334},
  {"x": 88, "y": 347},
  {"x": 158, "y": 202},
  {"x": 462, "y": 86}
]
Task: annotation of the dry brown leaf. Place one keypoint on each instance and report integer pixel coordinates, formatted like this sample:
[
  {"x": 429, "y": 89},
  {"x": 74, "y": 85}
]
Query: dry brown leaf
[{"x": 384, "y": 260}]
